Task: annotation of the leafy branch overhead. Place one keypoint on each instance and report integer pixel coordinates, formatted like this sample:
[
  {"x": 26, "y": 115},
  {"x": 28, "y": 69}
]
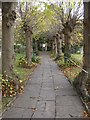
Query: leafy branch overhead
[{"x": 68, "y": 13}]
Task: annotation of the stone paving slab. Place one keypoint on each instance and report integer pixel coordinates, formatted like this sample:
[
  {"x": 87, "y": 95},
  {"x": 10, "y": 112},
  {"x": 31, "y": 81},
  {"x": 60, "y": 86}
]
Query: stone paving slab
[
  {"x": 68, "y": 100},
  {"x": 43, "y": 115},
  {"x": 65, "y": 92},
  {"x": 27, "y": 113},
  {"x": 32, "y": 90},
  {"x": 47, "y": 80},
  {"x": 22, "y": 103},
  {"x": 47, "y": 86},
  {"x": 46, "y": 106},
  {"x": 14, "y": 113},
  {"x": 62, "y": 85},
  {"x": 61, "y": 112},
  {"x": 48, "y": 94},
  {"x": 45, "y": 109}
]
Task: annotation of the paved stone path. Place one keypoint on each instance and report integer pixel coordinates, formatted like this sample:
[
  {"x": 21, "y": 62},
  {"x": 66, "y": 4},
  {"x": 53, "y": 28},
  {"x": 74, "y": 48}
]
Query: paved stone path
[{"x": 48, "y": 94}]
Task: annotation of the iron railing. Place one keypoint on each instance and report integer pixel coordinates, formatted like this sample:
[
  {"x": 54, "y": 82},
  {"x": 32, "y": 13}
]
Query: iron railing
[{"x": 73, "y": 63}]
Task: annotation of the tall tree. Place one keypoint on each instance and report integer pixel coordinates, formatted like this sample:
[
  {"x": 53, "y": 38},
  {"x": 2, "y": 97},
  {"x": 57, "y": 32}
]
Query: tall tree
[
  {"x": 8, "y": 18},
  {"x": 68, "y": 14},
  {"x": 25, "y": 18},
  {"x": 83, "y": 80},
  {"x": 58, "y": 38},
  {"x": 31, "y": 18}
]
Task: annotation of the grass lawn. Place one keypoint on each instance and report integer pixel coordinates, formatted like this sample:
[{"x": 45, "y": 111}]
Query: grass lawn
[
  {"x": 23, "y": 74},
  {"x": 5, "y": 101},
  {"x": 71, "y": 71},
  {"x": 77, "y": 57},
  {"x": 74, "y": 70}
]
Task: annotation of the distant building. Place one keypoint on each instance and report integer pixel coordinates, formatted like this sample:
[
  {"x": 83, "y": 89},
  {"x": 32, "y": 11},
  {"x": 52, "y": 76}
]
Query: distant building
[{"x": 44, "y": 46}]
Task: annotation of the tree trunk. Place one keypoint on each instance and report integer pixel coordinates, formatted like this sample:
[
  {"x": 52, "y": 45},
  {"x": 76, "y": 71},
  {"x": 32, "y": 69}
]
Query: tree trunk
[
  {"x": 83, "y": 80},
  {"x": 86, "y": 56},
  {"x": 36, "y": 47},
  {"x": 52, "y": 46},
  {"x": 55, "y": 46},
  {"x": 8, "y": 18},
  {"x": 59, "y": 47},
  {"x": 67, "y": 52},
  {"x": 29, "y": 50}
]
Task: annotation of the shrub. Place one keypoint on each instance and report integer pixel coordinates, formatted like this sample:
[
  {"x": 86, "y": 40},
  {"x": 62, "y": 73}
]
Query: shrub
[
  {"x": 53, "y": 55},
  {"x": 23, "y": 63},
  {"x": 35, "y": 59},
  {"x": 63, "y": 64},
  {"x": 10, "y": 87}
]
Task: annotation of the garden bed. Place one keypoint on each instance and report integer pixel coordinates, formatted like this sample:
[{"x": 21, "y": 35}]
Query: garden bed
[{"x": 24, "y": 75}]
